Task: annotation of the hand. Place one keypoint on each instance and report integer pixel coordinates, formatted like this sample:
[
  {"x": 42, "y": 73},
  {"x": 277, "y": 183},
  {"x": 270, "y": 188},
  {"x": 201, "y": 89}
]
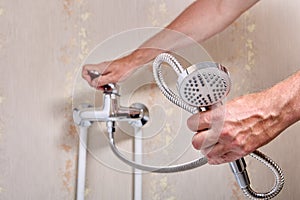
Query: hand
[
  {"x": 111, "y": 71},
  {"x": 236, "y": 129}
]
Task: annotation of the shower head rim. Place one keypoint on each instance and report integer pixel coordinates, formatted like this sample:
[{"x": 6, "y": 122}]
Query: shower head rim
[{"x": 204, "y": 84}]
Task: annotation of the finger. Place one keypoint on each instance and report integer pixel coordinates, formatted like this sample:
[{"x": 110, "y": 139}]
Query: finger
[
  {"x": 102, "y": 80},
  {"x": 221, "y": 153},
  {"x": 217, "y": 161},
  {"x": 89, "y": 67},
  {"x": 212, "y": 158},
  {"x": 216, "y": 151},
  {"x": 100, "y": 68},
  {"x": 85, "y": 75},
  {"x": 86, "y": 72},
  {"x": 204, "y": 139},
  {"x": 199, "y": 121},
  {"x": 228, "y": 157}
]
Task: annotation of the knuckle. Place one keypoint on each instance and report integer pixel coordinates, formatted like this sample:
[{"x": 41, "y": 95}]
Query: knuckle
[
  {"x": 86, "y": 67},
  {"x": 225, "y": 134},
  {"x": 196, "y": 144}
]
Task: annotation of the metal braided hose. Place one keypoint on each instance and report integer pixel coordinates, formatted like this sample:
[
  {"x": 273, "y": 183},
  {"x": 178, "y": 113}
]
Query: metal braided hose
[
  {"x": 158, "y": 169},
  {"x": 169, "y": 94},
  {"x": 279, "y": 178}
]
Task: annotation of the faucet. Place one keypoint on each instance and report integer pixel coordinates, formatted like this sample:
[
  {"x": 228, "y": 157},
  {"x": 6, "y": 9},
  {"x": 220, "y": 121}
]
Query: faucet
[
  {"x": 84, "y": 115},
  {"x": 136, "y": 114}
]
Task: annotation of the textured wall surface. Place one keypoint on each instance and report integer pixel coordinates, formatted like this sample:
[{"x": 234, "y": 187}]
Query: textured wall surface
[{"x": 42, "y": 46}]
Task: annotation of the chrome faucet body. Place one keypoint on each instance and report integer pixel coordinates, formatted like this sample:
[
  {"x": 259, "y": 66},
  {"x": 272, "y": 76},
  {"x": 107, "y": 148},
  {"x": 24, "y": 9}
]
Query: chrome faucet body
[
  {"x": 111, "y": 111},
  {"x": 136, "y": 114}
]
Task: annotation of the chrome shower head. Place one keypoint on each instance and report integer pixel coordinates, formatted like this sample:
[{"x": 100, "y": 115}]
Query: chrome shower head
[{"x": 204, "y": 84}]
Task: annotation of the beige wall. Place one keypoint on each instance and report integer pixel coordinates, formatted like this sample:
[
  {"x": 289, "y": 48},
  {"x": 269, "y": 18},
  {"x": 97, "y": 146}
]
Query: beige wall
[{"x": 42, "y": 45}]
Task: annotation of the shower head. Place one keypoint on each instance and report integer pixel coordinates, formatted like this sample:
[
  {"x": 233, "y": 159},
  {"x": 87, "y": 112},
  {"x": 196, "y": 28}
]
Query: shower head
[
  {"x": 199, "y": 86},
  {"x": 204, "y": 84}
]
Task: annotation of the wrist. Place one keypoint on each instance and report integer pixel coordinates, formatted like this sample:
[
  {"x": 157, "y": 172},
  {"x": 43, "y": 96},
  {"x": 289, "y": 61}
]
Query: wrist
[{"x": 284, "y": 98}]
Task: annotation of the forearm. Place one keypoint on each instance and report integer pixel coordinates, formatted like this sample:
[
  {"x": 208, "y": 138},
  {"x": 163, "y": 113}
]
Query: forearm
[
  {"x": 200, "y": 21},
  {"x": 205, "y": 18},
  {"x": 286, "y": 96}
]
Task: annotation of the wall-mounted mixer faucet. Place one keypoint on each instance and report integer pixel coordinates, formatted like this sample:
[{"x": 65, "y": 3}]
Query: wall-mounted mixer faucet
[
  {"x": 111, "y": 111},
  {"x": 136, "y": 114}
]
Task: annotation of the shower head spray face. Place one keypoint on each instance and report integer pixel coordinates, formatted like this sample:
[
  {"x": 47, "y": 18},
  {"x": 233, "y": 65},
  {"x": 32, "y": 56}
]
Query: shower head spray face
[{"x": 204, "y": 84}]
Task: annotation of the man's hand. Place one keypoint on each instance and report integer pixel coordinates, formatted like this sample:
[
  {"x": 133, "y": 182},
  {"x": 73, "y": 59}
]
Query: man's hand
[
  {"x": 111, "y": 71},
  {"x": 229, "y": 132}
]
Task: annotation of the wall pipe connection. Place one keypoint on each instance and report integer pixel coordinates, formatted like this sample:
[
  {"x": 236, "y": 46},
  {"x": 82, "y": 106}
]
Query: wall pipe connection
[
  {"x": 81, "y": 162},
  {"x": 138, "y": 150}
]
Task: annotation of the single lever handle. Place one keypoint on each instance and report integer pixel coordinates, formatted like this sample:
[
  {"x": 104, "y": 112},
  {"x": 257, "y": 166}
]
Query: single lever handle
[
  {"x": 108, "y": 88},
  {"x": 93, "y": 74}
]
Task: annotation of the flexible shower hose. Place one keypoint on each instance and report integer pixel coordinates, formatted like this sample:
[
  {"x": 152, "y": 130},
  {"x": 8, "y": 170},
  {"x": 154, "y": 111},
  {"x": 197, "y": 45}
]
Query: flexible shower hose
[
  {"x": 158, "y": 169},
  {"x": 248, "y": 191}
]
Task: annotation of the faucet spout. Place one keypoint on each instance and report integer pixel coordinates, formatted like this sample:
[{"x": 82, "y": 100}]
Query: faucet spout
[{"x": 92, "y": 114}]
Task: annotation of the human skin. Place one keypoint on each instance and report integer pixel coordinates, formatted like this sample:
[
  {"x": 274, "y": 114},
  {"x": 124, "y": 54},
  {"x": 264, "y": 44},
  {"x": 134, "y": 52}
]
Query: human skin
[
  {"x": 231, "y": 131},
  {"x": 200, "y": 21},
  {"x": 247, "y": 122}
]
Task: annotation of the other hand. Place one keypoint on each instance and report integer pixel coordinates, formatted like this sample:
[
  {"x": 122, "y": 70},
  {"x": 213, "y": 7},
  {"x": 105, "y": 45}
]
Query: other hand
[{"x": 236, "y": 129}]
